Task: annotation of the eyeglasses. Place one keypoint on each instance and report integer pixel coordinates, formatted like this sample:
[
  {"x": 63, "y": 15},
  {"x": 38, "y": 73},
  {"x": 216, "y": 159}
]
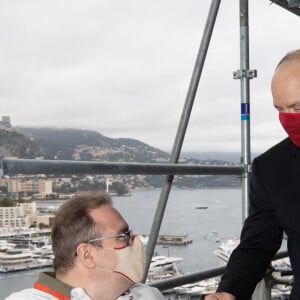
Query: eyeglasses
[{"x": 127, "y": 236}]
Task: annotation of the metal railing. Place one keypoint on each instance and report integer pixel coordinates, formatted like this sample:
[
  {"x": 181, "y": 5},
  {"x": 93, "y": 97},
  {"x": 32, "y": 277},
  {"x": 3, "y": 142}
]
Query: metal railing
[
  {"x": 11, "y": 166},
  {"x": 170, "y": 283}
]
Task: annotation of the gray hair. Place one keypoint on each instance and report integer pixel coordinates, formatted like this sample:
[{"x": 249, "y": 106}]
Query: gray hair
[{"x": 74, "y": 225}]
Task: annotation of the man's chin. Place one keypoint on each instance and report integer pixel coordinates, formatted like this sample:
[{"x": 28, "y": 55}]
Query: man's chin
[{"x": 123, "y": 282}]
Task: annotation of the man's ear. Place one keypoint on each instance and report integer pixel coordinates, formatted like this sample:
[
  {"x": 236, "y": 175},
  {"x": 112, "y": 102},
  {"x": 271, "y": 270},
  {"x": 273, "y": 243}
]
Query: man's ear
[{"x": 85, "y": 255}]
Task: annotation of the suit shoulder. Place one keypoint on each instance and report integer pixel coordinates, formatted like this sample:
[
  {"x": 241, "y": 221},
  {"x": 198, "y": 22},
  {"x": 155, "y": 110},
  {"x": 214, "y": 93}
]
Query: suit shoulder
[{"x": 274, "y": 153}]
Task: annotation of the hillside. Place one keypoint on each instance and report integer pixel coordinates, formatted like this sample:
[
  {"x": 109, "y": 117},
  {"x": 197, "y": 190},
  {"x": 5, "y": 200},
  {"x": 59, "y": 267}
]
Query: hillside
[
  {"x": 78, "y": 144},
  {"x": 14, "y": 144}
]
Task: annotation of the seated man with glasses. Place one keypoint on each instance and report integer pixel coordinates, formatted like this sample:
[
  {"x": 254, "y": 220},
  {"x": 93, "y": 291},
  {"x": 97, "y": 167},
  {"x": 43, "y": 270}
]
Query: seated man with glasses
[{"x": 96, "y": 256}]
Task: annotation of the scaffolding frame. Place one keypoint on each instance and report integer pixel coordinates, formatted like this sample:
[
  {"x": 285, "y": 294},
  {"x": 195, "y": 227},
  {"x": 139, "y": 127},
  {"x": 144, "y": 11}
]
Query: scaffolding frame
[{"x": 244, "y": 74}]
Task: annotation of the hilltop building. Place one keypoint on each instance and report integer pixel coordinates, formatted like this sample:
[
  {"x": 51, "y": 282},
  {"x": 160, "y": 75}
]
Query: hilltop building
[{"x": 5, "y": 123}]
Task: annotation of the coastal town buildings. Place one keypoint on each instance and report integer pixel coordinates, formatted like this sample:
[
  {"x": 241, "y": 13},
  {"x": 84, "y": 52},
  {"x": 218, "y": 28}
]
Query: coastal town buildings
[
  {"x": 16, "y": 185},
  {"x": 22, "y": 217},
  {"x": 13, "y": 218}
]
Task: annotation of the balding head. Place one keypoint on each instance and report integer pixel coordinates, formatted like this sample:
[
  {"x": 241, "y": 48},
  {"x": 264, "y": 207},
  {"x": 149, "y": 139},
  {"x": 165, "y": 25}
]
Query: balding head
[
  {"x": 290, "y": 56},
  {"x": 286, "y": 83}
]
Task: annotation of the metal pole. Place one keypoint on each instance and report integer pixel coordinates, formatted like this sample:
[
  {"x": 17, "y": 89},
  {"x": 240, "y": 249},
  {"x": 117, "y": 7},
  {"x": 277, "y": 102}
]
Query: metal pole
[
  {"x": 262, "y": 292},
  {"x": 181, "y": 130},
  {"x": 244, "y": 74}
]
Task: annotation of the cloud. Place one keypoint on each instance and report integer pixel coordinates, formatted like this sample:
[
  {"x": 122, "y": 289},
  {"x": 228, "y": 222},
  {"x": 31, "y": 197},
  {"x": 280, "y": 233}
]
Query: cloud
[{"x": 123, "y": 68}]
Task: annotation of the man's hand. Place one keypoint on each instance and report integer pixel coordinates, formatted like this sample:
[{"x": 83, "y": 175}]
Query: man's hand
[{"x": 220, "y": 296}]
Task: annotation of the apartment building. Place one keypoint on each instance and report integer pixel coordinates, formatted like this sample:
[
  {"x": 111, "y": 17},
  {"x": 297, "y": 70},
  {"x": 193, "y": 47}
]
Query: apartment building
[
  {"x": 13, "y": 218},
  {"x": 16, "y": 185}
]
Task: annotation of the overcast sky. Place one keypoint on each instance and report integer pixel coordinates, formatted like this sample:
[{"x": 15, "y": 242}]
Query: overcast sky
[{"x": 123, "y": 67}]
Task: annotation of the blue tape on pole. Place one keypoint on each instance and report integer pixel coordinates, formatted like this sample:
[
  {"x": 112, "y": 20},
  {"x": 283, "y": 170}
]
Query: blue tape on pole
[{"x": 245, "y": 111}]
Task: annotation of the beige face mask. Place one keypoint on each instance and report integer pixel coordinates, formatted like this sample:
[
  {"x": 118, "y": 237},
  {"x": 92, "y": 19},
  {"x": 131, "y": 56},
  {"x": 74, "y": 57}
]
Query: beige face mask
[{"x": 130, "y": 261}]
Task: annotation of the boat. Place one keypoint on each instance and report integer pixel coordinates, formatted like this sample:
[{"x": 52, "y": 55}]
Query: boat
[
  {"x": 163, "y": 267},
  {"x": 16, "y": 259},
  {"x": 162, "y": 264},
  {"x": 4, "y": 245},
  {"x": 189, "y": 289},
  {"x": 225, "y": 248},
  {"x": 202, "y": 287},
  {"x": 44, "y": 252}
]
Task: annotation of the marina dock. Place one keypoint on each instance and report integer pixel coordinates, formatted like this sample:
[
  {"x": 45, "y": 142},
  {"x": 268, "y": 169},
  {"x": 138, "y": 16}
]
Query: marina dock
[{"x": 169, "y": 239}]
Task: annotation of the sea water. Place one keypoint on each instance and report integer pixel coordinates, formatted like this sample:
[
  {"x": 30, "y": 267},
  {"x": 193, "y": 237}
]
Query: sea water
[{"x": 206, "y": 227}]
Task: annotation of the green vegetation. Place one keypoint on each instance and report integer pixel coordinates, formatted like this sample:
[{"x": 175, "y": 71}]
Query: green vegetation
[
  {"x": 40, "y": 225},
  {"x": 8, "y": 202}
]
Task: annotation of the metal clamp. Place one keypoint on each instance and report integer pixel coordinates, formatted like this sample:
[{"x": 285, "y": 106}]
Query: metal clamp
[{"x": 239, "y": 74}]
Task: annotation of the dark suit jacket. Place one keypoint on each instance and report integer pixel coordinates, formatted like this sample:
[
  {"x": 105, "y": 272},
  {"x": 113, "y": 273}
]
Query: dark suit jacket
[{"x": 274, "y": 207}]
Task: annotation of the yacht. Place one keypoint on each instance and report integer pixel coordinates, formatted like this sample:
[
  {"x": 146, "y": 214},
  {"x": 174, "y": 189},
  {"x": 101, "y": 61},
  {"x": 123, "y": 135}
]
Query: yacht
[
  {"x": 225, "y": 248},
  {"x": 202, "y": 287},
  {"x": 4, "y": 245},
  {"x": 16, "y": 259},
  {"x": 162, "y": 264}
]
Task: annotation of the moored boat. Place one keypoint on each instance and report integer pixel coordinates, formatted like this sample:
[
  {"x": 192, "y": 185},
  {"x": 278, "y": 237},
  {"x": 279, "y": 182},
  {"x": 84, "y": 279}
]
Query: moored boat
[{"x": 15, "y": 259}]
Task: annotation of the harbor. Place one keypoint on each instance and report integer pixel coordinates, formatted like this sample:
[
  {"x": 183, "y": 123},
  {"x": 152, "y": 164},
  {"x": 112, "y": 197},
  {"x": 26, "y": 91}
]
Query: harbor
[
  {"x": 31, "y": 249},
  {"x": 172, "y": 258},
  {"x": 200, "y": 254},
  {"x": 15, "y": 258}
]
